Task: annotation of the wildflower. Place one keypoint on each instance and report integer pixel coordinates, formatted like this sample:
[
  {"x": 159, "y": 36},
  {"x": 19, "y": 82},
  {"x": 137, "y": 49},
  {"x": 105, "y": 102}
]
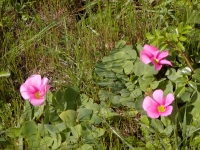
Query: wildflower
[
  {"x": 34, "y": 89},
  {"x": 158, "y": 105},
  {"x": 153, "y": 55}
]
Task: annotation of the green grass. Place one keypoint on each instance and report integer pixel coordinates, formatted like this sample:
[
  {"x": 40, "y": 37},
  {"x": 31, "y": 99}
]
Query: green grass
[{"x": 63, "y": 40}]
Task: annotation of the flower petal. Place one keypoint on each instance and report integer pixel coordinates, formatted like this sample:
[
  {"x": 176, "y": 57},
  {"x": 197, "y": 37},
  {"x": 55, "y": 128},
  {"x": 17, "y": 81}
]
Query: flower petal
[
  {"x": 34, "y": 80},
  {"x": 168, "y": 111},
  {"x": 158, "y": 96},
  {"x": 166, "y": 62},
  {"x": 148, "y": 101},
  {"x": 37, "y": 102},
  {"x": 152, "y": 112},
  {"x": 24, "y": 91},
  {"x": 145, "y": 58},
  {"x": 162, "y": 55},
  {"x": 31, "y": 89},
  {"x": 169, "y": 99},
  {"x": 150, "y": 49},
  {"x": 157, "y": 67},
  {"x": 44, "y": 81}
]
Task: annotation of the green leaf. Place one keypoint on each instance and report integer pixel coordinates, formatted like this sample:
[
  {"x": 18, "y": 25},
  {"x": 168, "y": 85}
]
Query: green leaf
[
  {"x": 130, "y": 52},
  {"x": 197, "y": 71},
  {"x": 196, "y": 77},
  {"x": 127, "y": 101},
  {"x": 145, "y": 82},
  {"x": 124, "y": 93},
  {"x": 4, "y": 74},
  {"x": 180, "y": 46},
  {"x": 174, "y": 37},
  {"x": 116, "y": 100},
  {"x": 51, "y": 128},
  {"x": 179, "y": 91},
  {"x": 60, "y": 126},
  {"x": 157, "y": 125},
  {"x": 3, "y": 141},
  {"x": 120, "y": 44},
  {"x": 128, "y": 67},
  {"x": 143, "y": 69},
  {"x": 70, "y": 95},
  {"x": 108, "y": 113},
  {"x": 136, "y": 93},
  {"x": 76, "y": 131},
  {"x": 69, "y": 117},
  {"x": 186, "y": 71},
  {"x": 46, "y": 142},
  {"x": 150, "y": 36},
  {"x": 138, "y": 104},
  {"x": 31, "y": 134},
  {"x": 192, "y": 85},
  {"x": 85, "y": 147},
  {"x": 84, "y": 114},
  {"x": 56, "y": 142},
  {"x": 13, "y": 132},
  {"x": 94, "y": 107},
  {"x": 182, "y": 38},
  {"x": 30, "y": 128},
  {"x": 185, "y": 96}
]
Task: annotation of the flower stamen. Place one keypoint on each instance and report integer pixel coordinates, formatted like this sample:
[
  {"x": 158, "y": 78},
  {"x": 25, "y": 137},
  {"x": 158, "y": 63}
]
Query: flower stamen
[
  {"x": 156, "y": 61},
  {"x": 37, "y": 95},
  {"x": 161, "y": 108}
]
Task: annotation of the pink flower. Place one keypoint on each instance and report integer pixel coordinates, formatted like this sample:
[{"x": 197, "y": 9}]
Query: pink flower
[
  {"x": 153, "y": 55},
  {"x": 159, "y": 105},
  {"x": 34, "y": 89}
]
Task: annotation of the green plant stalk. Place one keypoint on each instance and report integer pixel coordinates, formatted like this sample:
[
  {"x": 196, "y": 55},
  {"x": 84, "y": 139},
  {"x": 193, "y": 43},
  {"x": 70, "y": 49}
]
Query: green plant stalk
[
  {"x": 118, "y": 135},
  {"x": 183, "y": 54},
  {"x": 176, "y": 133},
  {"x": 187, "y": 60}
]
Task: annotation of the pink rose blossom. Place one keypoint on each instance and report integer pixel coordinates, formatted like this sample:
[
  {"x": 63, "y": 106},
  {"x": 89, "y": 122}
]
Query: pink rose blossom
[
  {"x": 34, "y": 89},
  {"x": 158, "y": 105},
  {"x": 153, "y": 55}
]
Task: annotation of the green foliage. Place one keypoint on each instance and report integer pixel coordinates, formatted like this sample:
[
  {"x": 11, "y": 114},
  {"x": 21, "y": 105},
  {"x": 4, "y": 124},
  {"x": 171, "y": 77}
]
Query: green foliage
[
  {"x": 63, "y": 39},
  {"x": 72, "y": 123}
]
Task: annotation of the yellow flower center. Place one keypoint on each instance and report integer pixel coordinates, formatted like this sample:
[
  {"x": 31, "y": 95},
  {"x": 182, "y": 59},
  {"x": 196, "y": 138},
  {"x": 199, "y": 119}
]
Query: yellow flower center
[
  {"x": 156, "y": 60},
  {"x": 37, "y": 95},
  {"x": 161, "y": 108}
]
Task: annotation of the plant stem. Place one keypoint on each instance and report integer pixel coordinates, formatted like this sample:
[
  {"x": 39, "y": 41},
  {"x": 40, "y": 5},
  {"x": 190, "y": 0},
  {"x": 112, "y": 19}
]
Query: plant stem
[
  {"x": 183, "y": 54},
  {"x": 187, "y": 60}
]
